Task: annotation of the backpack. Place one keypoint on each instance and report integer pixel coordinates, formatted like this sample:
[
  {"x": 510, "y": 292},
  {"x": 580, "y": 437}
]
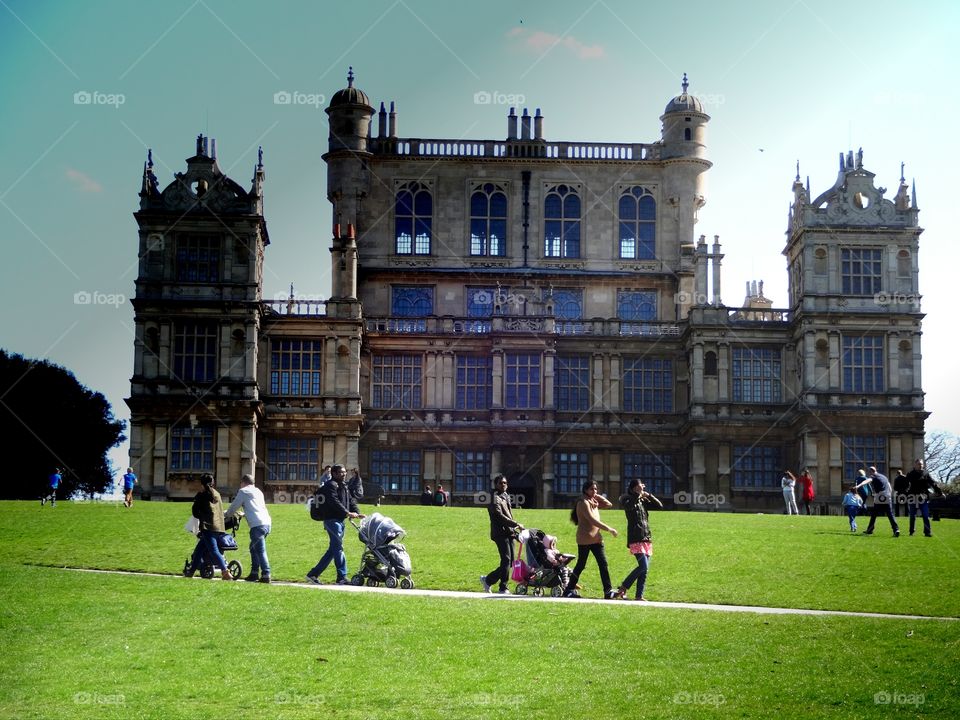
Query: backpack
[{"x": 315, "y": 506}]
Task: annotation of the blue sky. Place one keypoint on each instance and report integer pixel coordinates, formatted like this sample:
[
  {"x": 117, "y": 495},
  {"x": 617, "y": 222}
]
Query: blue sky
[{"x": 783, "y": 81}]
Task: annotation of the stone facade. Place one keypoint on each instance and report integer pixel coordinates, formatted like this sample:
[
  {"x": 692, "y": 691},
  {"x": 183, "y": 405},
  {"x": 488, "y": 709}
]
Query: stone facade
[{"x": 537, "y": 308}]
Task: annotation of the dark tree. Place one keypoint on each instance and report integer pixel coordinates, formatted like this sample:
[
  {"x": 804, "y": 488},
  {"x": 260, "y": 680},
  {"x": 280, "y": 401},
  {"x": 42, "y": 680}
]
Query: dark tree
[{"x": 48, "y": 420}]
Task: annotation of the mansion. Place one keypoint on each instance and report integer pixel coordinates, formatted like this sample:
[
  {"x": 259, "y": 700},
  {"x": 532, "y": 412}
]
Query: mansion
[{"x": 538, "y": 308}]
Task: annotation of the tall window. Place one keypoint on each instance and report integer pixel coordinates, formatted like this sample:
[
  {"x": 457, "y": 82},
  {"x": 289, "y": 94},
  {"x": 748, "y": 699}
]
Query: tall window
[
  {"x": 862, "y": 363},
  {"x": 195, "y": 352},
  {"x": 397, "y": 381},
  {"x": 638, "y": 224},
  {"x": 198, "y": 258},
  {"x": 480, "y": 302},
  {"x": 472, "y": 470},
  {"x": 474, "y": 382},
  {"x": 567, "y": 304},
  {"x": 647, "y": 385},
  {"x": 861, "y": 452},
  {"x": 522, "y": 381},
  {"x": 637, "y": 305},
  {"x": 295, "y": 367},
  {"x": 292, "y": 459},
  {"x": 488, "y": 221},
  {"x": 414, "y": 219},
  {"x": 655, "y": 471},
  {"x": 398, "y": 471},
  {"x": 570, "y": 471},
  {"x": 756, "y": 467},
  {"x": 572, "y": 382},
  {"x": 860, "y": 270},
  {"x": 756, "y": 375},
  {"x": 411, "y": 301},
  {"x": 561, "y": 225},
  {"x": 191, "y": 449}
]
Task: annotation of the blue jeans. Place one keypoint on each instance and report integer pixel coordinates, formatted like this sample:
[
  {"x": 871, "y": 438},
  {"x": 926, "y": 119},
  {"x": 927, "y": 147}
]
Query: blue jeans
[
  {"x": 852, "y": 512},
  {"x": 334, "y": 529},
  {"x": 258, "y": 550},
  {"x": 924, "y": 512},
  {"x": 639, "y": 575},
  {"x": 207, "y": 549}
]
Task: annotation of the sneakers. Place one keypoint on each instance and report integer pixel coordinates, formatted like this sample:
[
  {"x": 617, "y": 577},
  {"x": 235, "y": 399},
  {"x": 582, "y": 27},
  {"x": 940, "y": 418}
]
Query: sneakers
[
  {"x": 868, "y": 532},
  {"x": 502, "y": 591},
  {"x": 265, "y": 579},
  {"x": 486, "y": 585},
  {"x": 612, "y": 595},
  {"x": 251, "y": 578},
  {"x": 225, "y": 575},
  {"x": 896, "y": 533},
  {"x": 342, "y": 580},
  {"x": 313, "y": 579},
  {"x": 571, "y": 594}
]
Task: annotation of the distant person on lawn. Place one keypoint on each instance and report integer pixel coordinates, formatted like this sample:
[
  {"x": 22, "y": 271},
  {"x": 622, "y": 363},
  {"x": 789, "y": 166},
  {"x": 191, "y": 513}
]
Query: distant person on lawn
[
  {"x": 503, "y": 531},
  {"x": 586, "y": 516},
  {"x": 250, "y": 499},
  {"x": 639, "y": 540},
  {"x": 337, "y": 505},
  {"x": 53, "y": 482},
  {"x": 807, "y": 493},
  {"x": 882, "y": 502},
  {"x": 900, "y": 489},
  {"x": 129, "y": 480},
  {"x": 355, "y": 485},
  {"x": 325, "y": 475},
  {"x": 787, "y": 483},
  {"x": 852, "y": 505},
  {"x": 426, "y": 497},
  {"x": 440, "y": 498},
  {"x": 919, "y": 487},
  {"x": 208, "y": 509}
]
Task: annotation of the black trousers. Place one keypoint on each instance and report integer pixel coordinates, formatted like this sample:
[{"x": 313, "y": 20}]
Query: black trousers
[
  {"x": 882, "y": 508},
  {"x": 583, "y": 552},
  {"x": 502, "y": 573}
]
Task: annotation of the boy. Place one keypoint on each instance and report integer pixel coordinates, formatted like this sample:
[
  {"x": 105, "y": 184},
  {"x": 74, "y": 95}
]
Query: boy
[{"x": 852, "y": 503}]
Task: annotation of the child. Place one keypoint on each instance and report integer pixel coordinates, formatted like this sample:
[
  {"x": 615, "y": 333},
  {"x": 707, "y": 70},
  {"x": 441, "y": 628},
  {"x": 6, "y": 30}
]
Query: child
[{"x": 852, "y": 503}]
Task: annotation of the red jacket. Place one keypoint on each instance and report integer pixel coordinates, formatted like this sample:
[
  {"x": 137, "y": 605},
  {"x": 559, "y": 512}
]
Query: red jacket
[{"x": 807, "y": 483}]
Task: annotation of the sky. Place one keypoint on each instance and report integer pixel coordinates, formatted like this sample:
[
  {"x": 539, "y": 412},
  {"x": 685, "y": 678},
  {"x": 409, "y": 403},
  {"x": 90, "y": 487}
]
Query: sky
[{"x": 89, "y": 87}]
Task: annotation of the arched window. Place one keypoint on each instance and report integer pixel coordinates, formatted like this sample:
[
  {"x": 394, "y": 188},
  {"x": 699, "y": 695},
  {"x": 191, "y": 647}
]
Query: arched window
[
  {"x": 710, "y": 364},
  {"x": 414, "y": 218},
  {"x": 686, "y": 133},
  {"x": 638, "y": 224},
  {"x": 561, "y": 224},
  {"x": 488, "y": 221}
]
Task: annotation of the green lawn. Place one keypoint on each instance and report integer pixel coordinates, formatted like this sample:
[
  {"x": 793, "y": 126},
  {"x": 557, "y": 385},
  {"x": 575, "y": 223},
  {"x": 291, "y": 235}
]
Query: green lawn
[{"x": 84, "y": 645}]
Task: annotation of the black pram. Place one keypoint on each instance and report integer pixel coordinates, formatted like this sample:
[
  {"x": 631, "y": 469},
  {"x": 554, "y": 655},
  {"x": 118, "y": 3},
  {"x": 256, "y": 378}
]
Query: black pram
[
  {"x": 384, "y": 559},
  {"x": 546, "y": 567},
  {"x": 226, "y": 542}
]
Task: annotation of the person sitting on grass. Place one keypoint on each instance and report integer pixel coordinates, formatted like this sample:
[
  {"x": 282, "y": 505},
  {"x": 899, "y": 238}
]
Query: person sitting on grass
[{"x": 852, "y": 504}]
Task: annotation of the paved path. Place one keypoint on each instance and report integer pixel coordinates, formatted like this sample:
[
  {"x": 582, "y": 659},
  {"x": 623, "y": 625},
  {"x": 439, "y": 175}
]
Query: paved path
[{"x": 461, "y": 595}]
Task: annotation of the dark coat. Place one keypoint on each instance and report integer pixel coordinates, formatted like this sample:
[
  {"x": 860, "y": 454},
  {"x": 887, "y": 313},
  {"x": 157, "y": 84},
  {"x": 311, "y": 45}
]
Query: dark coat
[
  {"x": 502, "y": 524},
  {"x": 638, "y": 524},
  {"x": 208, "y": 509},
  {"x": 335, "y": 501},
  {"x": 919, "y": 482}
]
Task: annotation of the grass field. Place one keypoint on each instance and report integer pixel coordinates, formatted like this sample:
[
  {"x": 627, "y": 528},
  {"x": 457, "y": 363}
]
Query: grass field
[{"x": 113, "y": 646}]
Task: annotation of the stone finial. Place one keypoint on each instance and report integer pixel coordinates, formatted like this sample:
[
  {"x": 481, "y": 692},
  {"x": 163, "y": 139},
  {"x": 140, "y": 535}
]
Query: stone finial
[
  {"x": 685, "y": 84},
  {"x": 350, "y": 76}
]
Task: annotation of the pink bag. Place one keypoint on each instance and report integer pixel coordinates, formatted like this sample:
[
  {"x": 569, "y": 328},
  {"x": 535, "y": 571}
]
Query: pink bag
[{"x": 520, "y": 569}]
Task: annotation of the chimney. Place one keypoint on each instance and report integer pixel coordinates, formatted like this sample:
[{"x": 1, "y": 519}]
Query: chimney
[
  {"x": 512, "y": 124},
  {"x": 393, "y": 120},
  {"x": 382, "y": 117},
  {"x": 538, "y": 126},
  {"x": 525, "y": 125}
]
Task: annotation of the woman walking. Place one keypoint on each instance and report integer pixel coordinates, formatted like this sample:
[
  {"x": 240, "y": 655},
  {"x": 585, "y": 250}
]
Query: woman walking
[
  {"x": 787, "y": 483},
  {"x": 639, "y": 541},
  {"x": 586, "y": 516}
]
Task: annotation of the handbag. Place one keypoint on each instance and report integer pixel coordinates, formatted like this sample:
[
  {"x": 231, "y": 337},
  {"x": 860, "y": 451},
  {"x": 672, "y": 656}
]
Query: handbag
[
  {"x": 192, "y": 526},
  {"x": 520, "y": 569}
]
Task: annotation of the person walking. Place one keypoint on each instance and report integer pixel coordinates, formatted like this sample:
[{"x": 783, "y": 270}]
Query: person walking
[
  {"x": 503, "y": 531},
  {"x": 919, "y": 487},
  {"x": 355, "y": 485},
  {"x": 337, "y": 505},
  {"x": 208, "y": 509},
  {"x": 852, "y": 505},
  {"x": 586, "y": 516},
  {"x": 53, "y": 482},
  {"x": 883, "y": 500},
  {"x": 807, "y": 493},
  {"x": 250, "y": 500},
  {"x": 129, "y": 480},
  {"x": 639, "y": 540},
  {"x": 787, "y": 483},
  {"x": 900, "y": 490}
]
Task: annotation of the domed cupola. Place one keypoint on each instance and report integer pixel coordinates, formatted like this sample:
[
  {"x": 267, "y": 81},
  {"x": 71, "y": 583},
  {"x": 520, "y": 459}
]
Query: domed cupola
[
  {"x": 684, "y": 102},
  {"x": 349, "y": 112},
  {"x": 684, "y": 130},
  {"x": 350, "y": 95}
]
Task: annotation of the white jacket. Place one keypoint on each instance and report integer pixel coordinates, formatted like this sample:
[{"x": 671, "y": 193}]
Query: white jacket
[{"x": 250, "y": 498}]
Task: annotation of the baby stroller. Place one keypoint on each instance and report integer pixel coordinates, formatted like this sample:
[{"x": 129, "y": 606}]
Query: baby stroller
[
  {"x": 384, "y": 559},
  {"x": 226, "y": 542},
  {"x": 546, "y": 567}
]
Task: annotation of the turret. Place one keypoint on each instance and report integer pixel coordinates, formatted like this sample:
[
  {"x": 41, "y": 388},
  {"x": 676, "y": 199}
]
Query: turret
[
  {"x": 684, "y": 130},
  {"x": 349, "y": 112}
]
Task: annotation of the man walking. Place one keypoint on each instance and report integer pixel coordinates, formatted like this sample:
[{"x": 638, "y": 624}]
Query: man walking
[
  {"x": 129, "y": 480},
  {"x": 53, "y": 483},
  {"x": 250, "y": 499},
  {"x": 337, "y": 505},
  {"x": 919, "y": 487},
  {"x": 883, "y": 500},
  {"x": 503, "y": 531}
]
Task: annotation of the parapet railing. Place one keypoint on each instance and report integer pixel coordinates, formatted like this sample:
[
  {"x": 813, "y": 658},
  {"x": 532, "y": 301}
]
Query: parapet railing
[
  {"x": 758, "y": 315},
  {"x": 507, "y": 149},
  {"x": 540, "y": 324},
  {"x": 296, "y": 307}
]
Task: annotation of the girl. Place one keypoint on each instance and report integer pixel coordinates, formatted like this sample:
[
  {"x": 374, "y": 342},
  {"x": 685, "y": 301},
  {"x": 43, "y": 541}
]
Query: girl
[
  {"x": 787, "y": 482},
  {"x": 586, "y": 516},
  {"x": 639, "y": 541}
]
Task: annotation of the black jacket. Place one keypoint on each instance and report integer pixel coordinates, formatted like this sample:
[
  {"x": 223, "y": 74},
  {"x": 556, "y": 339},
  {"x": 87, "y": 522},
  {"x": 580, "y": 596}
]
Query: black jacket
[
  {"x": 502, "y": 524},
  {"x": 919, "y": 482},
  {"x": 638, "y": 524},
  {"x": 335, "y": 501}
]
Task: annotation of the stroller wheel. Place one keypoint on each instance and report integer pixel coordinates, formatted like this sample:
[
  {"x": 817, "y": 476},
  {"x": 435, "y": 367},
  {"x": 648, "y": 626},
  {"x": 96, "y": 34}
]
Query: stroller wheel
[
  {"x": 390, "y": 582},
  {"x": 538, "y": 592},
  {"x": 372, "y": 583},
  {"x": 357, "y": 579},
  {"x": 406, "y": 583},
  {"x": 206, "y": 572},
  {"x": 556, "y": 591},
  {"x": 521, "y": 589},
  {"x": 235, "y": 568}
]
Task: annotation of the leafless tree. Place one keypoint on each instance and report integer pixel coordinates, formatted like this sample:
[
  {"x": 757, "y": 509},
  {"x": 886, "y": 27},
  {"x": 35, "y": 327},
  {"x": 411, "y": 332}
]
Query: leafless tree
[{"x": 942, "y": 456}]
